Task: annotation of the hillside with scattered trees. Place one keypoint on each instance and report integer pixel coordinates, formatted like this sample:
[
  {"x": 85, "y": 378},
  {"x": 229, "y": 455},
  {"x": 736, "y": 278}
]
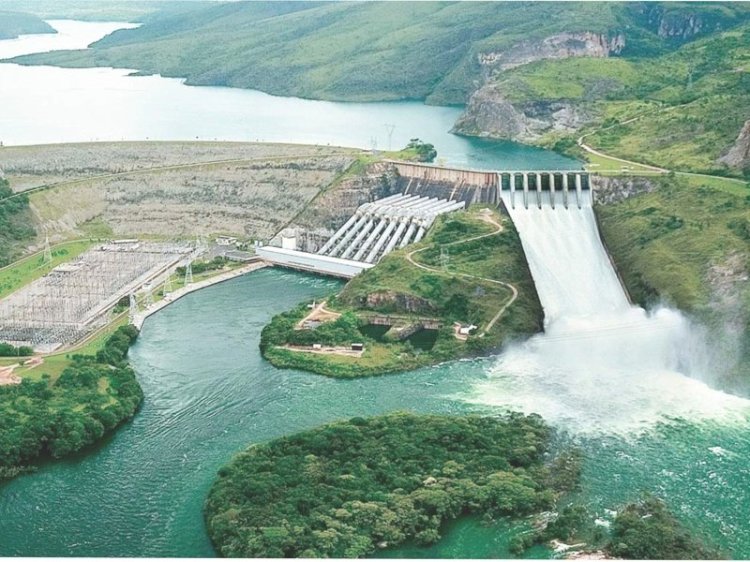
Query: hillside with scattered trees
[{"x": 52, "y": 417}]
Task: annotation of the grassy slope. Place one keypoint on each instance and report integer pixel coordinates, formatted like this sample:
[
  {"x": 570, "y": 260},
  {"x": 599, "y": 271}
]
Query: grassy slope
[
  {"x": 353, "y": 51},
  {"x": 444, "y": 295},
  {"x": 688, "y": 105},
  {"x": 26, "y": 270},
  {"x": 13, "y": 24}
]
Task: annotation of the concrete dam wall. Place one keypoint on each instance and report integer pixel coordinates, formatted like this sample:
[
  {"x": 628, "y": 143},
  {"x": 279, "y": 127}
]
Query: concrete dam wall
[{"x": 481, "y": 186}]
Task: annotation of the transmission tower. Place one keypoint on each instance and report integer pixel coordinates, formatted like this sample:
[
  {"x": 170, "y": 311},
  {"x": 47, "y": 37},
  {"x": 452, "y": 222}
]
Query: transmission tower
[
  {"x": 148, "y": 295},
  {"x": 167, "y": 286},
  {"x": 133, "y": 309},
  {"x": 389, "y": 127},
  {"x": 374, "y": 144},
  {"x": 445, "y": 258},
  {"x": 200, "y": 245},
  {"x": 47, "y": 250},
  {"x": 189, "y": 272}
]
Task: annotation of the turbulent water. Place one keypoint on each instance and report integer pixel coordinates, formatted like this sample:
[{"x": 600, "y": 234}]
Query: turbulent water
[{"x": 602, "y": 365}]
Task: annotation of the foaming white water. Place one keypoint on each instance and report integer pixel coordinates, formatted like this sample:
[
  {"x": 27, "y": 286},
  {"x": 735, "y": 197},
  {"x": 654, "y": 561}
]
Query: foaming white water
[{"x": 602, "y": 365}]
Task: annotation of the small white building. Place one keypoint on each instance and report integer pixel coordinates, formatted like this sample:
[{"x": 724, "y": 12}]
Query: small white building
[
  {"x": 226, "y": 241},
  {"x": 466, "y": 329}
]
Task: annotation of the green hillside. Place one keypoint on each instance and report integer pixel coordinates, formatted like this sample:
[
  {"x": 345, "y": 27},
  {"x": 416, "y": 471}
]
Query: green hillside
[
  {"x": 15, "y": 222},
  {"x": 375, "y": 50},
  {"x": 13, "y": 24},
  {"x": 679, "y": 110}
]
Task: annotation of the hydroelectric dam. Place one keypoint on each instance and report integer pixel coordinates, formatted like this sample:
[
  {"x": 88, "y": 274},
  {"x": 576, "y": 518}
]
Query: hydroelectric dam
[{"x": 423, "y": 192}]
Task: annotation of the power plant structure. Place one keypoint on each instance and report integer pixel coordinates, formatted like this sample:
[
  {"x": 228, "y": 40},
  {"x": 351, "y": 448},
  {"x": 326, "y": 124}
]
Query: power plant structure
[
  {"x": 379, "y": 227},
  {"x": 75, "y": 298},
  {"x": 425, "y": 192},
  {"x": 563, "y": 189},
  {"x": 373, "y": 231}
]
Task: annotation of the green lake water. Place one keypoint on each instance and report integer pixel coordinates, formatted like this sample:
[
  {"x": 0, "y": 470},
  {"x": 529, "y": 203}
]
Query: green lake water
[{"x": 209, "y": 394}]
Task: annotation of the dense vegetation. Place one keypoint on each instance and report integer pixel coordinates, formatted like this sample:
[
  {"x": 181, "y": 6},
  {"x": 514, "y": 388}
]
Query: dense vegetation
[
  {"x": 15, "y": 221},
  {"x": 46, "y": 417},
  {"x": 646, "y": 530},
  {"x": 13, "y": 24},
  {"x": 201, "y": 266},
  {"x": 350, "y": 488},
  {"x": 7, "y": 350},
  {"x": 407, "y": 293},
  {"x": 372, "y": 50},
  {"x": 687, "y": 241}
]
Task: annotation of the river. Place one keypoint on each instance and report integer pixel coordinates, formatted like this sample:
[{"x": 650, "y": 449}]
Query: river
[{"x": 209, "y": 394}]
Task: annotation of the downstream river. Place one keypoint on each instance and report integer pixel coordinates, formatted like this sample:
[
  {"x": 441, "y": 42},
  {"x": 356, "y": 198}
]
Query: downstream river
[{"x": 209, "y": 393}]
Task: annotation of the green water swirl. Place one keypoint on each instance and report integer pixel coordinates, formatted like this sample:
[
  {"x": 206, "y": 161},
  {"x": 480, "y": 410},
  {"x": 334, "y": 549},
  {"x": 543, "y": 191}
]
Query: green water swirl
[{"x": 209, "y": 394}]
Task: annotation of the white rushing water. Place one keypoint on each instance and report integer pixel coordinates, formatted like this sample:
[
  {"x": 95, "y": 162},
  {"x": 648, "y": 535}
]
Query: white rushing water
[{"x": 602, "y": 365}]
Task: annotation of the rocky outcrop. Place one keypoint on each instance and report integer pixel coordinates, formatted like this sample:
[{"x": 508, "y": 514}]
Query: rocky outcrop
[
  {"x": 560, "y": 46},
  {"x": 490, "y": 114},
  {"x": 327, "y": 212},
  {"x": 738, "y": 155},
  {"x": 609, "y": 190},
  {"x": 391, "y": 301},
  {"x": 673, "y": 24}
]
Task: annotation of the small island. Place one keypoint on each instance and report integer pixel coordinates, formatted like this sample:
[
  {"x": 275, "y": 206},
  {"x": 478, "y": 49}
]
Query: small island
[{"x": 352, "y": 488}]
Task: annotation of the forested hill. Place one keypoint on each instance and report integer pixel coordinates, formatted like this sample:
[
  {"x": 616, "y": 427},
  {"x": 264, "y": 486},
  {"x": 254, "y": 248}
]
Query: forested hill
[
  {"x": 13, "y": 24},
  {"x": 438, "y": 51}
]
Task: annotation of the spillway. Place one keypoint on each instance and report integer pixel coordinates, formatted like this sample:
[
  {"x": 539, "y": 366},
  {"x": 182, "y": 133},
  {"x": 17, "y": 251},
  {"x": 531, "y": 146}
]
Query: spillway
[{"x": 602, "y": 365}]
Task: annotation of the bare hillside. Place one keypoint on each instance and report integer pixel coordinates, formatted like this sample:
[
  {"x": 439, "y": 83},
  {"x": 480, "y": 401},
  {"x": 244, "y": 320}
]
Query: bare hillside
[{"x": 171, "y": 189}]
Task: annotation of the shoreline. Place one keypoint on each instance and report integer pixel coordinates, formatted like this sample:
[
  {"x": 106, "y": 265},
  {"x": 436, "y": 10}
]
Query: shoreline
[{"x": 174, "y": 296}]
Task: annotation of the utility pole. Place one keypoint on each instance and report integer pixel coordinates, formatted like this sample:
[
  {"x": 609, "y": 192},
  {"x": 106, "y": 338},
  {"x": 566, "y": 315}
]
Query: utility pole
[
  {"x": 389, "y": 127},
  {"x": 445, "y": 258},
  {"x": 148, "y": 295},
  {"x": 133, "y": 309},
  {"x": 167, "y": 285},
  {"x": 47, "y": 249}
]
